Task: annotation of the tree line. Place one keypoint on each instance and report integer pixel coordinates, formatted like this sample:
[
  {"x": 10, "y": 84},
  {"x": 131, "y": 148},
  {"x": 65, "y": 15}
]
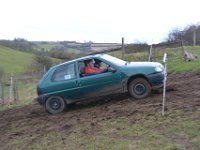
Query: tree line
[
  {"x": 19, "y": 44},
  {"x": 189, "y": 36}
]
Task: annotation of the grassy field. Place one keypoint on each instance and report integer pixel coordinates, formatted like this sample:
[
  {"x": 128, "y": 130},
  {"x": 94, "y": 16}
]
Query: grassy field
[
  {"x": 47, "y": 46},
  {"x": 175, "y": 62}
]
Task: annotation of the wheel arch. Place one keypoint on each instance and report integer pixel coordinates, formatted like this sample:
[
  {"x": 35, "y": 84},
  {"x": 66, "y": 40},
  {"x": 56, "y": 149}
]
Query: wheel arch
[
  {"x": 66, "y": 101},
  {"x": 137, "y": 76}
]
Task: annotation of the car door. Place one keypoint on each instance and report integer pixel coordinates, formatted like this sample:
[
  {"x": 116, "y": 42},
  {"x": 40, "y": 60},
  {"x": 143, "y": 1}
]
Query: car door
[
  {"x": 100, "y": 84},
  {"x": 64, "y": 82}
]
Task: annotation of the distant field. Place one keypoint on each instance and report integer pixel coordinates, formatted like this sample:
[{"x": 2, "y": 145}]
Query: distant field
[
  {"x": 47, "y": 46},
  {"x": 73, "y": 50}
]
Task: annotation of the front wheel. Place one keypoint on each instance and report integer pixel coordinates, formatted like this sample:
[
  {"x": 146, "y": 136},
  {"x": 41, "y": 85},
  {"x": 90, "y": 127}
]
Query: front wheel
[
  {"x": 139, "y": 88},
  {"x": 55, "y": 104}
]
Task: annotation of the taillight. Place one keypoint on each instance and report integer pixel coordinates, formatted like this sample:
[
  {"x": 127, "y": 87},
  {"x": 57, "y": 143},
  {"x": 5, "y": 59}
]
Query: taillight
[{"x": 39, "y": 93}]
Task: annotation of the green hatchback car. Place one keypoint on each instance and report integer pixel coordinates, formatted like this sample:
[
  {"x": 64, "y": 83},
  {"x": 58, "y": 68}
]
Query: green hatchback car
[{"x": 69, "y": 83}]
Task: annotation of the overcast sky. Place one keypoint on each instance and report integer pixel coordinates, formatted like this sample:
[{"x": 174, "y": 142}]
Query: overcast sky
[{"x": 96, "y": 20}]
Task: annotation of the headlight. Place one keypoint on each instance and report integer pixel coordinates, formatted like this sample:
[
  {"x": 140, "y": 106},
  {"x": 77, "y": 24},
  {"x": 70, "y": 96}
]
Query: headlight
[{"x": 159, "y": 69}]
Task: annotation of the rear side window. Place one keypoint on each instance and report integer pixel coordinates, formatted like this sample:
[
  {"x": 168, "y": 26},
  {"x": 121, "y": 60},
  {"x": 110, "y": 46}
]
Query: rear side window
[{"x": 64, "y": 72}]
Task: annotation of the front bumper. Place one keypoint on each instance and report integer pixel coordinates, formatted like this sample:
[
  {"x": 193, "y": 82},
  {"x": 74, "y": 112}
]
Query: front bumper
[{"x": 156, "y": 79}]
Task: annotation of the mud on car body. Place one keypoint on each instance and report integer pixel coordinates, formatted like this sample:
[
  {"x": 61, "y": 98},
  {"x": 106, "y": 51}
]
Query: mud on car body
[{"x": 67, "y": 83}]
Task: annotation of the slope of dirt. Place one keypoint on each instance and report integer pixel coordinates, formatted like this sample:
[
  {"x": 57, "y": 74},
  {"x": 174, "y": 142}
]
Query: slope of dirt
[{"x": 183, "y": 92}]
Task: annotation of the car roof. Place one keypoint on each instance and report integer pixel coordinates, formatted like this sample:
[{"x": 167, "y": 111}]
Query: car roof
[{"x": 81, "y": 59}]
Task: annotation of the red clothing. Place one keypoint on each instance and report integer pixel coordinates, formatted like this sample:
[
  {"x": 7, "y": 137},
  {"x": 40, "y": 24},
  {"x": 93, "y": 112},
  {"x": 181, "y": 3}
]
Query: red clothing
[{"x": 89, "y": 70}]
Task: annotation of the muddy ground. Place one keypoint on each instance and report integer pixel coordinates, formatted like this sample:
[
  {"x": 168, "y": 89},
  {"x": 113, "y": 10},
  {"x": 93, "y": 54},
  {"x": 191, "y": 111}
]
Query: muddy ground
[{"x": 183, "y": 93}]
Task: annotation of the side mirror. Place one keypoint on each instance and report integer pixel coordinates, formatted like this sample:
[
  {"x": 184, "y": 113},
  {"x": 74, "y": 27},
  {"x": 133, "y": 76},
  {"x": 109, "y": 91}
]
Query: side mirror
[{"x": 110, "y": 69}]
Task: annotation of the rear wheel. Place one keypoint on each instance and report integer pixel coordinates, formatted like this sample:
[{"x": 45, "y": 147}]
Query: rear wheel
[
  {"x": 55, "y": 104},
  {"x": 139, "y": 88}
]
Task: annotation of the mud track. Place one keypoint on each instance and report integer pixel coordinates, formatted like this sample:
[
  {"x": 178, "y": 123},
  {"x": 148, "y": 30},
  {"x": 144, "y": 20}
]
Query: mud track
[{"x": 183, "y": 92}]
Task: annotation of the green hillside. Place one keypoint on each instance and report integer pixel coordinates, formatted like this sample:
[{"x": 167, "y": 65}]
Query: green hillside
[{"x": 14, "y": 62}]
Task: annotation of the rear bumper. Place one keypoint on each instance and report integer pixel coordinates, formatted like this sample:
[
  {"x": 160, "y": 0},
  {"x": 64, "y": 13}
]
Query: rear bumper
[
  {"x": 41, "y": 99},
  {"x": 156, "y": 80}
]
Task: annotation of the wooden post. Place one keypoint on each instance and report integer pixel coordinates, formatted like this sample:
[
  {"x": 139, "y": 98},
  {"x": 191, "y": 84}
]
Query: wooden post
[
  {"x": 15, "y": 90},
  {"x": 123, "y": 48},
  {"x": 2, "y": 92},
  {"x": 11, "y": 90},
  {"x": 194, "y": 36}
]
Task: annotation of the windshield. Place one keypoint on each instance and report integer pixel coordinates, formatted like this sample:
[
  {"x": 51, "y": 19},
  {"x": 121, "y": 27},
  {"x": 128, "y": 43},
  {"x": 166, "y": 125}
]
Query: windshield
[{"x": 114, "y": 60}]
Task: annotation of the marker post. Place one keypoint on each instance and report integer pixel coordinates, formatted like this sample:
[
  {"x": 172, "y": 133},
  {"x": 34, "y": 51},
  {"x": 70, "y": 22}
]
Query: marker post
[{"x": 164, "y": 86}]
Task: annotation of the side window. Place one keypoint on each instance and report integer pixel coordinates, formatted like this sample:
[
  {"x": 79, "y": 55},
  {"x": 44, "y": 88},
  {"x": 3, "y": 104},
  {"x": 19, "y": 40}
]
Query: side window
[
  {"x": 100, "y": 64},
  {"x": 92, "y": 67},
  {"x": 81, "y": 67},
  {"x": 64, "y": 72}
]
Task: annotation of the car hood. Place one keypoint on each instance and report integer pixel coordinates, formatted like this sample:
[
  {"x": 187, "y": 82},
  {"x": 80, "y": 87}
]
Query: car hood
[
  {"x": 143, "y": 64},
  {"x": 145, "y": 68}
]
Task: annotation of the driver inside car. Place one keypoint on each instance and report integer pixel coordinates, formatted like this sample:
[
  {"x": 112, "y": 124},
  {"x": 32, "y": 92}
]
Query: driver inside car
[{"x": 89, "y": 67}]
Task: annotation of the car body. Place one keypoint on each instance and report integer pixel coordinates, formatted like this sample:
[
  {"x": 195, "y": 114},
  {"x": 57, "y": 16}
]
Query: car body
[{"x": 66, "y": 83}]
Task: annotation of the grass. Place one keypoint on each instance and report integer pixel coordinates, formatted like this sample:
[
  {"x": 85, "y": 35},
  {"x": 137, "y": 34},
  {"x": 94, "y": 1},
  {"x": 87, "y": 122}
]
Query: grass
[
  {"x": 14, "y": 62},
  {"x": 26, "y": 91},
  {"x": 175, "y": 58},
  {"x": 176, "y": 62}
]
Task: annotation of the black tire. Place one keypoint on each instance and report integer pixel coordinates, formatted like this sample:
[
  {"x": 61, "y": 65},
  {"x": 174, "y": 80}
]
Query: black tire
[
  {"x": 139, "y": 88},
  {"x": 55, "y": 104}
]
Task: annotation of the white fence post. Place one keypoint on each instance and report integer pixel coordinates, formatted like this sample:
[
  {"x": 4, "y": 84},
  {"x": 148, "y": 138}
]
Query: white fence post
[{"x": 150, "y": 53}]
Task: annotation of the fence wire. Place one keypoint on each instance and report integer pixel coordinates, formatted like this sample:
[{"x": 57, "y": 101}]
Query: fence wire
[{"x": 18, "y": 89}]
